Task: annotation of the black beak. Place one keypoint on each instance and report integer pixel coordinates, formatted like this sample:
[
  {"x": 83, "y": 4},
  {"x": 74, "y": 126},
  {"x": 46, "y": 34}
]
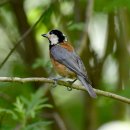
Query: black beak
[{"x": 44, "y": 35}]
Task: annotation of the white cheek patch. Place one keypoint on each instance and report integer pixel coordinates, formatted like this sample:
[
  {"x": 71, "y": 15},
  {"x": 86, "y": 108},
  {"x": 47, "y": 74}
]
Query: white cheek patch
[{"x": 53, "y": 39}]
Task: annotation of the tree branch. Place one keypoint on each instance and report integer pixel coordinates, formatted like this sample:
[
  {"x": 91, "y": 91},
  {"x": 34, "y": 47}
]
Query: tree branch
[
  {"x": 66, "y": 84},
  {"x": 21, "y": 39}
]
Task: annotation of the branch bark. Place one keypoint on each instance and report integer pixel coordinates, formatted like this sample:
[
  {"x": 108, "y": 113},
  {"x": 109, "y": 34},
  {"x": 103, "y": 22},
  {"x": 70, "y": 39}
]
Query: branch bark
[
  {"x": 20, "y": 40},
  {"x": 66, "y": 84}
]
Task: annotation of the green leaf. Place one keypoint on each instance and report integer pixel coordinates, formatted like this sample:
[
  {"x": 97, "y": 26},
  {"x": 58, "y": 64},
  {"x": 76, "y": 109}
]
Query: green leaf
[
  {"x": 14, "y": 116},
  {"x": 44, "y": 106},
  {"x": 37, "y": 124},
  {"x": 19, "y": 107},
  {"x": 37, "y": 102}
]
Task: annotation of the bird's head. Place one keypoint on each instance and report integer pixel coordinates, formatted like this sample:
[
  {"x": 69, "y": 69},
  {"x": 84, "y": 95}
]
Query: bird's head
[{"x": 55, "y": 37}]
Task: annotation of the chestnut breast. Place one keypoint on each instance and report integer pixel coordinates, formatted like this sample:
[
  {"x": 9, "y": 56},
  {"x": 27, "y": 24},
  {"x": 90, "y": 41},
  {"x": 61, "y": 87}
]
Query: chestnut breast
[{"x": 60, "y": 68}]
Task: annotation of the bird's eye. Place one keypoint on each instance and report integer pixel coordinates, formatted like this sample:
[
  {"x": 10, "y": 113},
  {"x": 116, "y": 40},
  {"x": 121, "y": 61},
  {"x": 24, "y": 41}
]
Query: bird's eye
[{"x": 50, "y": 32}]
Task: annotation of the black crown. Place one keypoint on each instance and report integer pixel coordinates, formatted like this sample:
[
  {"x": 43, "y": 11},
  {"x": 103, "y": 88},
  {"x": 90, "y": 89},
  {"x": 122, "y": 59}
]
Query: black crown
[{"x": 59, "y": 34}]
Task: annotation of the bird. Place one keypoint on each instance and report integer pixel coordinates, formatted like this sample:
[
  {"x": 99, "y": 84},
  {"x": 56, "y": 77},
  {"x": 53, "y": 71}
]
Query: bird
[{"x": 65, "y": 60}]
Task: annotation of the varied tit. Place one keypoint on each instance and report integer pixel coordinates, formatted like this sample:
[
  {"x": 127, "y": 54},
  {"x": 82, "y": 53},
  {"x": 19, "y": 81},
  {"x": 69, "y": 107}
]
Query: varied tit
[{"x": 65, "y": 60}]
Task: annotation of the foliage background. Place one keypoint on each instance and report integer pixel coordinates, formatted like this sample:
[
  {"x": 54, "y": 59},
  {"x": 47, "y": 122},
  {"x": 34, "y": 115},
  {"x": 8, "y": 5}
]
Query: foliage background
[{"x": 100, "y": 32}]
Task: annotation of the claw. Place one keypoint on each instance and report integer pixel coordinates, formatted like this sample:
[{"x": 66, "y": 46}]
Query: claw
[
  {"x": 71, "y": 82},
  {"x": 55, "y": 81}
]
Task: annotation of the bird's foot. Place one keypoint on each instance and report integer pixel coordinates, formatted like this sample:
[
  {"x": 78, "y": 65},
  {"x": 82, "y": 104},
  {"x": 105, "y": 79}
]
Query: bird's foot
[
  {"x": 55, "y": 81},
  {"x": 70, "y": 82}
]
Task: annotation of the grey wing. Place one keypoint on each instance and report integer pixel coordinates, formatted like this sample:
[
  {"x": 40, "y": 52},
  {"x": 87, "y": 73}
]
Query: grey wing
[{"x": 70, "y": 59}]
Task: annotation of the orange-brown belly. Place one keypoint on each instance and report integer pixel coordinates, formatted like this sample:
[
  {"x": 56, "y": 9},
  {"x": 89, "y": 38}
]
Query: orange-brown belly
[{"x": 62, "y": 70}]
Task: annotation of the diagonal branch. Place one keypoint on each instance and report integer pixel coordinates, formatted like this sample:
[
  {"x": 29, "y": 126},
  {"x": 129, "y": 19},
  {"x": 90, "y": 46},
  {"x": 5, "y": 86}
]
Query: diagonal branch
[
  {"x": 21, "y": 39},
  {"x": 66, "y": 84}
]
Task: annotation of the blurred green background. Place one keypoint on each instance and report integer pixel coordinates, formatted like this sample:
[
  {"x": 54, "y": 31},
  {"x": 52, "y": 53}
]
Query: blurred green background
[{"x": 99, "y": 30}]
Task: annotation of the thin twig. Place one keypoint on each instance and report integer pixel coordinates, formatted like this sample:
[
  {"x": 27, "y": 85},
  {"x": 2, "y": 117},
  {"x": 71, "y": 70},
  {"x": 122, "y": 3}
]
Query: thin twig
[
  {"x": 66, "y": 84},
  {"x": 59, "y": 121},
  {"x": 21, "y": 39}
]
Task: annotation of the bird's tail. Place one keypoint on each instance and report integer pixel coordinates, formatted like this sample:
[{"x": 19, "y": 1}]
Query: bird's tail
[{"x": 87, "y": 86}]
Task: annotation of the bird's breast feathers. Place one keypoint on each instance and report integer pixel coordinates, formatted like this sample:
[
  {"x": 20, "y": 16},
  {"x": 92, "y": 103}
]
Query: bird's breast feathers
[{"x": 60, "y": 68}]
